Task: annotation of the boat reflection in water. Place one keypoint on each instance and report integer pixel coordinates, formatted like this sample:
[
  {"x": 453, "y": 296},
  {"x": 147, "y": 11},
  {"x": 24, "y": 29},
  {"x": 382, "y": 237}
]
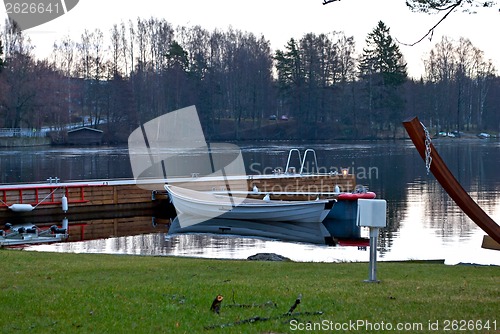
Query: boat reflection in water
[
  {"x": 314, "y": 233},
  {"x": 152, "y": 237},
  {"x": 215, "y": 238},
  {"x": 227, "y": 245}
]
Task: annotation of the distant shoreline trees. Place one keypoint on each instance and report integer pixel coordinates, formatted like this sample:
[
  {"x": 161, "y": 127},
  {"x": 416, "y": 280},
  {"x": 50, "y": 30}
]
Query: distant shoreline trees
[
  {"x": 326, "y": 91},
  {"x": 1, "y": 56}
]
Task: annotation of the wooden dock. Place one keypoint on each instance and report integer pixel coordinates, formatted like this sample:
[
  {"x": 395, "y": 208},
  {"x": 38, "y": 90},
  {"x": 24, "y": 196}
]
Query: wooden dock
[
  {"x": 84, "y": 198},
  {"x": 111, "y": 203}
]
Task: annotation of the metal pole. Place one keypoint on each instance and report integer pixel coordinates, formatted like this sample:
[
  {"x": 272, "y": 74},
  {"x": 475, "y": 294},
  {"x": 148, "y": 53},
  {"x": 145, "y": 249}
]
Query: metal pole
[{"x": 373, "y": 255}]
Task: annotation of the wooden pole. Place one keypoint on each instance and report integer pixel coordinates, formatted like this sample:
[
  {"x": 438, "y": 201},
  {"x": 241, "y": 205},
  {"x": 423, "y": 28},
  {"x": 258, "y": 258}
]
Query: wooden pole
[{"x": 449, "y": 183}]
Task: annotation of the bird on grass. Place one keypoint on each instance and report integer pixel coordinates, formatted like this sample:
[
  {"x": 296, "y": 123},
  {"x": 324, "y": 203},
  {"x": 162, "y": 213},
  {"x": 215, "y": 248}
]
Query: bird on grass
[
  {"x": 216, "y": 304},
  {"x": 294, "y": 306}
]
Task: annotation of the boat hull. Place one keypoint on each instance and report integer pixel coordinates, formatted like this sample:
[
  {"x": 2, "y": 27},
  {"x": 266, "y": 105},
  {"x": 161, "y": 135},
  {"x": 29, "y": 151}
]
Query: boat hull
[{"x": 207, "y": 205}]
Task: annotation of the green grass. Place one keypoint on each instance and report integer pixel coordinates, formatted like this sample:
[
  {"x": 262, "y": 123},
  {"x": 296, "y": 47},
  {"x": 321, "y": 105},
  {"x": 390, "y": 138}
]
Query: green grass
[{"x": 88, "y": 293}]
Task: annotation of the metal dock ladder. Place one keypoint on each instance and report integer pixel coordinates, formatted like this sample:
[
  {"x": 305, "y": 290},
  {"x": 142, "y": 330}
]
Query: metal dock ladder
[{"x": 309, "y": 151}]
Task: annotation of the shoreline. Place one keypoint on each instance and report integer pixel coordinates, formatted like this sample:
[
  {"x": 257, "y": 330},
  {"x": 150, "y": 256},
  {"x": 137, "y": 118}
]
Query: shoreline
[{"x": 10, "y": 142}]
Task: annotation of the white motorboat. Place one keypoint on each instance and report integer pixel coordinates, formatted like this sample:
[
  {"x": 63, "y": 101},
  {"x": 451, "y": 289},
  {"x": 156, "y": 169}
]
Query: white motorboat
[{"x": 208, "y": 205}]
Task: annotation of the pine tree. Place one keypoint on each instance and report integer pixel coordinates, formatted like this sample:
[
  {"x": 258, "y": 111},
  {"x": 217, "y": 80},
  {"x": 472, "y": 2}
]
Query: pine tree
[
  {"x": 383, "y": 56},
  {"x": 290, "y": 78},
  {"x": 288, "y": 65},
  {"x": 383, "y": 70}
]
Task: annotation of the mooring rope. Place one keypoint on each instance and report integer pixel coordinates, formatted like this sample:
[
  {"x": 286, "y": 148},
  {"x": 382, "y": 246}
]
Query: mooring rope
[{"x": 46, "y": 197}]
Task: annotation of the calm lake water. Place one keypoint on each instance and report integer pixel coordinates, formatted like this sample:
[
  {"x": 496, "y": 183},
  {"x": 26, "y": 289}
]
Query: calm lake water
[{"x": 423, "y": 222}]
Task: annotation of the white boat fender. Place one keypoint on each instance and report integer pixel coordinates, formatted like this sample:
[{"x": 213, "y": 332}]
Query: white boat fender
[
  {"x": 64, "y": 203},
  {"x": 255, "y": 189},
  {"x": 65, "y": 223},
  {"x": 21, "y": 207},
  {"x": 267, "y": 198}
]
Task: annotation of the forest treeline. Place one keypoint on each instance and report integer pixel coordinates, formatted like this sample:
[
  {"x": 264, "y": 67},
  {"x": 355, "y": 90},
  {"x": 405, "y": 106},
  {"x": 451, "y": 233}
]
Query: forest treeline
[{"x": 324, "y": 84}]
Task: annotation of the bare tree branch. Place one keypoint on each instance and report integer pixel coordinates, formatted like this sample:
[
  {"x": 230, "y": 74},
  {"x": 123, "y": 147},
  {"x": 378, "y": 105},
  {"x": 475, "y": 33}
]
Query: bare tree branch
[
  {"x": 326, "y": 2},
  {"x": 428, "y": 5},
  {"x": 440, "y": 6},
  {"x": 448, "y": 6},
  {"x": 431, "y": 30}
]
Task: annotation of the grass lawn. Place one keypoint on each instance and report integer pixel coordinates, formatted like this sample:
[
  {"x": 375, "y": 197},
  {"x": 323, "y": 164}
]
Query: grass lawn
[{"x": 91, "y": 293}]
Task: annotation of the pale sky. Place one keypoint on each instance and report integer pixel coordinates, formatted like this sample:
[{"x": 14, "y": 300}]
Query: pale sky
[{"x": 280, "y": 20}]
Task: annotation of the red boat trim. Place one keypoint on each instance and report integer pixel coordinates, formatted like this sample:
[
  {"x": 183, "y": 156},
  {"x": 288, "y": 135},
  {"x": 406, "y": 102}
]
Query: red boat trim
[{"x": 356, "y": 196}]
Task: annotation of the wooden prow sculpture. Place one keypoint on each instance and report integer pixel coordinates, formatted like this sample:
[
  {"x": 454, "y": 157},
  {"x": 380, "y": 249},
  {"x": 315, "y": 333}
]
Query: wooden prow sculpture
[{"x": 441, "y": 172}]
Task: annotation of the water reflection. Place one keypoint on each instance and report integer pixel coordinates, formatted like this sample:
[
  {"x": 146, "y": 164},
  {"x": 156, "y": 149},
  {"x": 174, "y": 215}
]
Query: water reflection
[
  {"x": 143, "y": 244},
  {"x": 415, "y": 239},
  {"x": 23, "y": 164},
  {"x": 208, "y": 246},
  {"x": 423, "y": 222},
  {"x": 411, "y": 243}
]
